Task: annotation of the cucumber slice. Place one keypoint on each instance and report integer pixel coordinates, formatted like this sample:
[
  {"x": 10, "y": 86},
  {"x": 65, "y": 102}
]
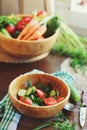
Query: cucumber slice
[
  {"x": 54, "y": 93},
  {"x": 30, "y": 90},
  {"x": 22, "y": 92}
]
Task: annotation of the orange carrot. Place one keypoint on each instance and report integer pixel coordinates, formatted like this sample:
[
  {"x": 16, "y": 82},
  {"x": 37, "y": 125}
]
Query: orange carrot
[
  {"x": 38, "y": 33},
  {"x": 26, "y": 29},
  {"x": 40, "y": 38},
  {"x": 31, "y": 31}
]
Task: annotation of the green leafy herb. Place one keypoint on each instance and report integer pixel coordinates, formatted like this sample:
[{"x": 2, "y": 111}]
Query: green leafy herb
[
  {"x": 71, "y": 45},
  {"x": 29, "y": 84},
  {"x": 60, "y": 122},
  {"x": 11, "y": 19},
  {"x": 44, "y": 87}
]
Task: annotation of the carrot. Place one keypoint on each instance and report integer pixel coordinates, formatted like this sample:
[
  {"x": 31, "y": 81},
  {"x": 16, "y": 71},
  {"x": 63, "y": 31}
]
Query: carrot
[
  {"x": 31, "y": 31},
  {"x": 26, "y": 29},
  {"x": 38, "y": 33},
  {"x": 40, "y": 38}
]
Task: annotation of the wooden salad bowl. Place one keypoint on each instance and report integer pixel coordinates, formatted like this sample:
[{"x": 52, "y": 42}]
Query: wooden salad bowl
[
  {"x": 29, "y": 48},
  {"x": 38, "y": 111},
  {"x": 21, "y": 48}
]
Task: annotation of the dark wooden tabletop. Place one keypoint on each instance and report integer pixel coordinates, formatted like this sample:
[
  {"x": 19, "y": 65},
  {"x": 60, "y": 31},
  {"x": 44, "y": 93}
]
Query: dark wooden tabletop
[{"x": 9, "y": 71}]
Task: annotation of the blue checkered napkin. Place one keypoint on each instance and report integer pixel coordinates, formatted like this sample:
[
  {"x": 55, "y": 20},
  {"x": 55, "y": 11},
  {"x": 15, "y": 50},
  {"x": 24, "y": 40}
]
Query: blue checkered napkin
[
  {"x": 2, "y": 104},
  {"x": 65, "y": 76},
  {"x": 10, "y": 116}
]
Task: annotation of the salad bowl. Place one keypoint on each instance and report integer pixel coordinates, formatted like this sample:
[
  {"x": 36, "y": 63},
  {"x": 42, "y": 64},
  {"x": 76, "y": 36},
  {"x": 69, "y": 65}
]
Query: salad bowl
[{"x": 37, "y": 111}]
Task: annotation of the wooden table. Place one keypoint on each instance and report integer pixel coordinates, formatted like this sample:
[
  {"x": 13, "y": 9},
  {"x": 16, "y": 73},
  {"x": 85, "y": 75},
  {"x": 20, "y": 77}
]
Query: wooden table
[{"x": 10, "y": 71}]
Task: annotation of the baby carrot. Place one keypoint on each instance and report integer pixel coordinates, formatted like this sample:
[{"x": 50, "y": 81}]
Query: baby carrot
[
  {"x": 26, "y": 29},
  {"x": 38, "y": 33},
  {"x": 31, "y": 31}
]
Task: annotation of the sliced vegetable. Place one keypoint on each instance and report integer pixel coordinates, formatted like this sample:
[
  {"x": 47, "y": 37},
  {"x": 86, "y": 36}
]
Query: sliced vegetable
[
  {"x": 22, "y": 92},
  {"x": 50, "y": 101},
  {"x": 30, "y": 90},
  {"x": 40, "y": 93},
  {"x": 60, "y": 98},
  {"x": 54, "y": 93},
  {"x": 26, "y": 100}
]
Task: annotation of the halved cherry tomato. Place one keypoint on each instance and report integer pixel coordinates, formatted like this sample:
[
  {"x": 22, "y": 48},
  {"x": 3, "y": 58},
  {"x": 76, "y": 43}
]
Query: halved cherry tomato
[
  {"x": 59, "y": 98},
  {"x": 42, "y": 13},
  {"x": 50, "y": 101},
  {"x": 40, "y": 93},
  {"x": 26, "y": 100},
  {"x": 10, "y": 28}
]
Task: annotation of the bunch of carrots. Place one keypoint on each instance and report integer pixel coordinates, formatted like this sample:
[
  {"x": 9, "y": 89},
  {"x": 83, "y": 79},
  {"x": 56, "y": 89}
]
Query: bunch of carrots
[{"x": 32, "y": 31}]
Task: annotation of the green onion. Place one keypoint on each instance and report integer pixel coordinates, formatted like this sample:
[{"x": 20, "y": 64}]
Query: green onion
[
  {"x": 5, "y": 32},
  {"x": 60, "y": 122},
  {"x": 71, "y": 45}
]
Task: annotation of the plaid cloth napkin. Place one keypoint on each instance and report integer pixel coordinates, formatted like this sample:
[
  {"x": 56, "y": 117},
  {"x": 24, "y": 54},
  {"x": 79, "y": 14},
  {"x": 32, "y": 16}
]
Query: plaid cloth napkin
[{"x": 10, "y": 116}]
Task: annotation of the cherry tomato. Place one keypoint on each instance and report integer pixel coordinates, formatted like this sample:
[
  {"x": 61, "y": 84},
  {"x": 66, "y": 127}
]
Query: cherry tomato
[
  {"x": 42, "y": 13},
  {"x": 21, "y": 24},
  {"x": 10, "y": 28},
  {"x": 50, "y": 101},
  {"x": 60, "y": 98},
  {"x": 40, "y": 93},
  {"x": 27, "y": 19},
  {"x": 26, "y": 100}
]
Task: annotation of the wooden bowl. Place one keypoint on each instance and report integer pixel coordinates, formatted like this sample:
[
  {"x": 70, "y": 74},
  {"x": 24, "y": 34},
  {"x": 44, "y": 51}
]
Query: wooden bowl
[
  {"x": 38, "y": 111},
  {"x": 30, "y": 49}
]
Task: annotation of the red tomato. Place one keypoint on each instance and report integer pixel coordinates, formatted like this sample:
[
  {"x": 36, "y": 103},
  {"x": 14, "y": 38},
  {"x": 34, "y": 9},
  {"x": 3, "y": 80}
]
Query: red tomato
[
  {"x": 42, "y": 13},
  {"x": 10, "y": 28},
  {"x": 26, "y": 100},
  {"x": 50, "y": 101},
  {"x": 60, "y": 98},
  {"x": 21, "y": 24},
  {"x": 27, "y": 19},
  {"x": 40, "y": 93}
]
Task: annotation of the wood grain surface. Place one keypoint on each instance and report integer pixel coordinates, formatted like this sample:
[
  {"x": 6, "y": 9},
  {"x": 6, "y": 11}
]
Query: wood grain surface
[{"x": 50, "y": 64}]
